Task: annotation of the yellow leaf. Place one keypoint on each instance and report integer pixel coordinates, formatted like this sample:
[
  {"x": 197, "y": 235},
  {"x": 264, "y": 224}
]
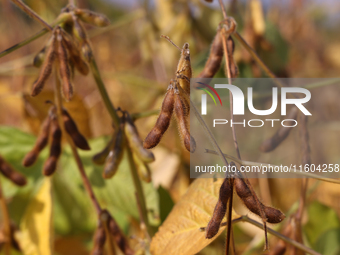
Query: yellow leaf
[
  {"x": 36, "y": 235},
  {"x": 180, "y": 232},
  {"x": 36, "y": 111},
  {"x": 257, "y": 16}
]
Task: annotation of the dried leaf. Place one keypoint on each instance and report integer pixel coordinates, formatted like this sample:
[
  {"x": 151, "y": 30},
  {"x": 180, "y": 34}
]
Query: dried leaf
[
  {"x": 180, "y": 232},
  {"x": 36, "y": 111},
  {"x": 36, "y": 234}
]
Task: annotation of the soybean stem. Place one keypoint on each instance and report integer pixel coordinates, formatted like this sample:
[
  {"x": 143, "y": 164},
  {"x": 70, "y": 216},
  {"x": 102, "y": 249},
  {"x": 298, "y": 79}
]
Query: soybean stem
[
  {"x": 103, "y": 92},
  {"x": 31, "y": 13},
  {"x": 113, "y": 113},
  {"x": 86, "y": 182},
  {"x": 64, "y": 16},
  {"x": 223, "y": 9},
  {"x": 61, "y": 18},
  {"x": 228, "y": 74},
  {"x": 140, "y": 115},
  {"x": 259, "y": 61},
  {"x": 279, "y": 235},
  {"x": 139, "y": 191},
  {"x": 271, "y": 231}
]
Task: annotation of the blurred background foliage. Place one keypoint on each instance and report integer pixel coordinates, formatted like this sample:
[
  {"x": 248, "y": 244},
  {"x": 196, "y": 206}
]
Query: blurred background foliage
[{"x": 295, "y": 38}]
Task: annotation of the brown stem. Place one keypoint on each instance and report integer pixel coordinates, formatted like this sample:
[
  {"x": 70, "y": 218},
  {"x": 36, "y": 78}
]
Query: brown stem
[
  {"x": 273, "y": 232},
  {"x": 306, "y": 160},
  {"x": 228, "y": 74},
  {"x": 225, "y": 49},
  {"x": 255, "y": 56},
  {"x": 223, "y": 9},
  {"x": 31, "y": 13},
  {"x": 229, "y": 219},
  {"x": 259, "y": 61}
]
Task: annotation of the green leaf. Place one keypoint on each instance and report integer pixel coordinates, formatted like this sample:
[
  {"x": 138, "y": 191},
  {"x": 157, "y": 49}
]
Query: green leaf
[
  {"x": 165, "y": 203},
  {"x": 329, "y": 242},
  {"x": 116, "y": 193},
  {"x": 73, "y": 209},
  {"x": 14, "y": 144},
  {"x": 315, "y": 227}
]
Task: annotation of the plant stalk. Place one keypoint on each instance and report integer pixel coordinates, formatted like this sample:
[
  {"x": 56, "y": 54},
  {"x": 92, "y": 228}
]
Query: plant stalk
[
  {"x": 139, "y": 191},
  {"x": 112, "y": 111},
  {"x": 31, "y": 13},
  {"x": 103, "y": 92},
  {"x": 61, "y": 18},
  {"x": 271, "y": 231},
  {"x": 86, "y": 182}
]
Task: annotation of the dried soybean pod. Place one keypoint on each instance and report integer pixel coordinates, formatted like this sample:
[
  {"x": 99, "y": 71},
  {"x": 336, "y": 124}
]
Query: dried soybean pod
[
  {"x": 40, "y": 144},
  {"x": 75, "y": 54},
  {"x": 136, "y": 142},
  {"x": 71, "y": 128},
  {"x": 232, "y": 63},
  {"x": 271, "y": 143},
  {"x": 64, "y": 68},
  {"x": 99, "y": 239},
  {"x": 163, "y": 121},
  {"x": 272, "y": 215},
  {"x": 55, "y": 148},
  {"x": 46, "y": 69},
  {"x": 14, "y": 176},
  {"x": 185, "y": 99},
  {"x": 220, "y": 209},
  {"x": 92, "y": 18},
  {"x": 182, "y": 120},
  {"x": 78, "y": 29},
  {"x": 184, "y": 71},
  {"x": 80, "y": 33},
  {"x": 243, "y": 191},
  {"x": 142, "y": 169},
  {"x": 100, "y": 157},
  {"x": 115, "y": 156},
  {"x": 214, "y": 61},
  {"x": 118, "y": 236},
  {"x": 87, "y": 51}
]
